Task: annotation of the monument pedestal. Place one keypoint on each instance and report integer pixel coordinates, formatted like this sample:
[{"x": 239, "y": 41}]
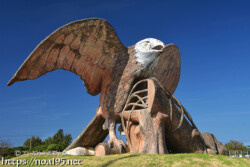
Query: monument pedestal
[{"x": 154, "y": 122}]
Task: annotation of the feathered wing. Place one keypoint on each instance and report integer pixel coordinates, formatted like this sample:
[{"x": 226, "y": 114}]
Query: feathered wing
[
  {"x": 167, "y": 71},
  {"x": 86, "y": 47}
]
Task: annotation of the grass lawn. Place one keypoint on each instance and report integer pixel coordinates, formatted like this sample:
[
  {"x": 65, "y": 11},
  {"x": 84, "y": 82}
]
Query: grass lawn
[{"x": 130, "y": 160}]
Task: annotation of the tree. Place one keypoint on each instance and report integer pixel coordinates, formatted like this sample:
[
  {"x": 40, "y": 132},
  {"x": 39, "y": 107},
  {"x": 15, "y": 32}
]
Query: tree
[
  {"x": 248, "y": 147},
  {"x": 58, "y": 137},
  {"x": 47, "y": 141},
  {"x": 5, "y": 149},
  {"x": 5, "y": 144},
  {"x": 58, "y": 142},
  {"x": 235, "y": 145},
  {"x": 32, "y": 142},
  {"x": 66, "y": 140}
]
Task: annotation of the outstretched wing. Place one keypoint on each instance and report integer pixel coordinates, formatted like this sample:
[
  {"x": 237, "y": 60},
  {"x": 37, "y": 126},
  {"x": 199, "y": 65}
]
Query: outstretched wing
[
  {"x": 86, "y": 47},
  {"x": 167, "y": 71}
]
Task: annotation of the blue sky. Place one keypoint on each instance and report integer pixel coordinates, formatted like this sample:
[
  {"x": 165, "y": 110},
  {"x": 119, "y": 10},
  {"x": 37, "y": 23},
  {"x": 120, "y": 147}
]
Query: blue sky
[{"x": 213, "y": 38}]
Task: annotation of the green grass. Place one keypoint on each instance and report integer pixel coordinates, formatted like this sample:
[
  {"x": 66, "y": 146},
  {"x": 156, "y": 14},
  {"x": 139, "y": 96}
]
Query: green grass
[{"x": 141, "y": 160}]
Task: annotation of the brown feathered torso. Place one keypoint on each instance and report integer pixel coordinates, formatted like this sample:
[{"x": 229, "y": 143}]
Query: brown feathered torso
[{"x": 126, "y": 72}]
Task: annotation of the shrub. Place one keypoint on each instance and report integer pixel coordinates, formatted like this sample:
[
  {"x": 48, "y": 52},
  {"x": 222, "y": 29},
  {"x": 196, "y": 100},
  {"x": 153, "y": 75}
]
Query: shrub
[
  {"x": 54, "y": 147},
  {"x": 40, "y": 148}
]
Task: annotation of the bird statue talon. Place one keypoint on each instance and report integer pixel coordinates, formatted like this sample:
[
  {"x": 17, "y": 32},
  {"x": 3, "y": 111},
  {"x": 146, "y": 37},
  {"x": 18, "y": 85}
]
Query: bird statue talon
[
  {"x": 116, "y": 143},
  {"x": 110, "y": 144},
  {"x": 121, "y": 148}
]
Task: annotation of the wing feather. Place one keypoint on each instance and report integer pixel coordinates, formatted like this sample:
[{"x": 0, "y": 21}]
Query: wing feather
[
  {"x": 85, "y": 47},
  {"x": 167, "y": 71}
]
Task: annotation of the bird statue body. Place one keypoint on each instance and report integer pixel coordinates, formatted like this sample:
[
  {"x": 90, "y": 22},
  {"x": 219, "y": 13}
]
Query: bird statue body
[{"x": 91, "y": 49}]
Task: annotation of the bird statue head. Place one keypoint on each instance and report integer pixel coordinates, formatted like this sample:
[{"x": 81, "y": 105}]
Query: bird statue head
[{"x": 147, "y": 51}]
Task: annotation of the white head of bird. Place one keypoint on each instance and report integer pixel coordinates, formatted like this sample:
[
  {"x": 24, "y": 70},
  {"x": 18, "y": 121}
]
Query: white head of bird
[{"x": 147, "y": 51}]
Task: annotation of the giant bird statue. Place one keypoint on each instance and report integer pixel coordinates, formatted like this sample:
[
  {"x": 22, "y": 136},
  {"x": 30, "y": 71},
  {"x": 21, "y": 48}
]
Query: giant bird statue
[{"x": 91, "y": 49}]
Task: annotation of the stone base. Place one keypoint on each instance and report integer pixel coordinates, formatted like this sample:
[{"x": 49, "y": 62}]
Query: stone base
[{"x": 81, "y": 151}]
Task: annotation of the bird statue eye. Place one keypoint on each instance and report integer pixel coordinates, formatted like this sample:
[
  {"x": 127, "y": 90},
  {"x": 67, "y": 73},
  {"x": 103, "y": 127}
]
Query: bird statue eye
[{"x": 145, "y": 43}]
